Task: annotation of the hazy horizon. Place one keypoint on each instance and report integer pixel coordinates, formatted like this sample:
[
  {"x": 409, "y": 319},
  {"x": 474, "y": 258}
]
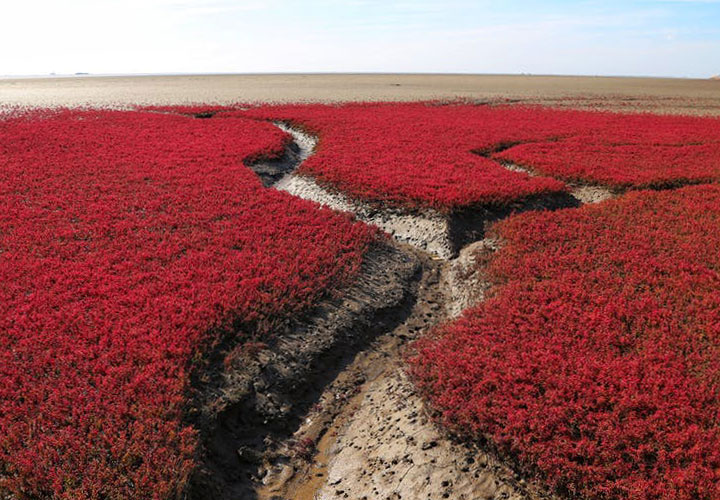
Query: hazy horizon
[{"x": 270, "y": 73}]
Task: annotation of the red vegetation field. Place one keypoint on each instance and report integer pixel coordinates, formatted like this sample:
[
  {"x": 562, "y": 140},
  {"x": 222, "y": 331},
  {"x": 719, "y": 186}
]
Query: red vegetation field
[
  {"x": 597, "y": 360},
  {"x": 624, "y": 151},
  {"x": 131, "y": 242},
  {"x": 128, "y": 241},
  {"x": 449, "y": 157},
  {"x": 418, "y": 154}
]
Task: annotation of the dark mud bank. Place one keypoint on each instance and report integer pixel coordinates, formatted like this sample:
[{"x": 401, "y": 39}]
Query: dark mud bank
[
  {"x": 469, "y": 225},
  {"x": 260, "y": 398},
  {"x": 271, "y": 171}
]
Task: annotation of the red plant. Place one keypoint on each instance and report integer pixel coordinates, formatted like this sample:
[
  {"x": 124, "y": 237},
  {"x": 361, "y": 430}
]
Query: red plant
[
  {"x": 419, "y": 154},
  {"x": 128, "y": 241},
  {"x": 597, "y": 359},
  {"x": 625, "y": 151},
  {"x": 448, "y": 157}
]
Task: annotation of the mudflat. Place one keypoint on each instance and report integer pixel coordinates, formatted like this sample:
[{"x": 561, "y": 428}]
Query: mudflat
[{"x": 671, "y": 95}]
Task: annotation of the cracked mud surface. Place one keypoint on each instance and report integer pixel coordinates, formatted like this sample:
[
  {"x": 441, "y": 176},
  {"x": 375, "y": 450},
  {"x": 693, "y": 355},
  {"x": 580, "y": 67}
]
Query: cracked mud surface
[
  {"x": 249, "y": 409},
  {"x": 296, "y": 476}
]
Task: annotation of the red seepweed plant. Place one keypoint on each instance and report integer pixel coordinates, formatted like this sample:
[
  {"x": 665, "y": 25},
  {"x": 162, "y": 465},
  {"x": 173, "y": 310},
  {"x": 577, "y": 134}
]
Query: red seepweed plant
[
  {"x": 596, "y": 361},
  {"x": 128, "y": 241},
  {"x": 453, "y": 156}
]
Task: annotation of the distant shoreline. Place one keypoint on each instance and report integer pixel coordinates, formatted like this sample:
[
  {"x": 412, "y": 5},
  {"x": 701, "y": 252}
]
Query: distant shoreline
[{"x": 161, "y": 75}]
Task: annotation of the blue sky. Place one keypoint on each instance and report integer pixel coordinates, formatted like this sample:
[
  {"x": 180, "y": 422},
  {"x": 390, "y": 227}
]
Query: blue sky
[{"x": 634, "y": 37}]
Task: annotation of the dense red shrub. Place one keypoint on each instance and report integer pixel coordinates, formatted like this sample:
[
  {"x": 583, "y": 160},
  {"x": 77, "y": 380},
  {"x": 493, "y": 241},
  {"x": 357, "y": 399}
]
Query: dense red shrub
[
  {"x": 449, "y": 156},
  {"x": 626, "y": 151},
  {"x": 128, "y": 241},
  {"x": 420, "y": 154},
  {"x": 597, "y": 359}
]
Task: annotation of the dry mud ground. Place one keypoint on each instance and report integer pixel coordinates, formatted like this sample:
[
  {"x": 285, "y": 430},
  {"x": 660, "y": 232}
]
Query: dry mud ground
[
  {"x": 328, "y": 412},
  {"x": 674, "y": 95}
]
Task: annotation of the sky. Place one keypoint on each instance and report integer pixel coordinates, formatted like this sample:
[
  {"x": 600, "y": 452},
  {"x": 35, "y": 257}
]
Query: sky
[{"x": 679, "y": 38}]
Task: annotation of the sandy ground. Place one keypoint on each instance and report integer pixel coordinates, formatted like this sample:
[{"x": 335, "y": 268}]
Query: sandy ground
[
  {"x": 392, "y": 450},
  {"x": 655, "y": 94}
]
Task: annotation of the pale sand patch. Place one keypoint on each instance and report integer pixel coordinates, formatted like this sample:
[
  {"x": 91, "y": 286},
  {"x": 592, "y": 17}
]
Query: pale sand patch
[
  {"x": 584, "y": 193},
  {"x": 429, "y": 231},
  {"x": 391, "y": 449},
  {"x": 464, "y": 277},
  {"x": 592, "y": 194}
]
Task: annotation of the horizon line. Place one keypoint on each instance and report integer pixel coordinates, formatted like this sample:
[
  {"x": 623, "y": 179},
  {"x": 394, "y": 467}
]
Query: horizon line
[{"x": 321, "y": 73}]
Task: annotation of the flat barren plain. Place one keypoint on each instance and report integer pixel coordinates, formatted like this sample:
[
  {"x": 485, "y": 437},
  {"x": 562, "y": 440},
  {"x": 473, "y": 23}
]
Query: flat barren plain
[{"x": 665, "y": 95}]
